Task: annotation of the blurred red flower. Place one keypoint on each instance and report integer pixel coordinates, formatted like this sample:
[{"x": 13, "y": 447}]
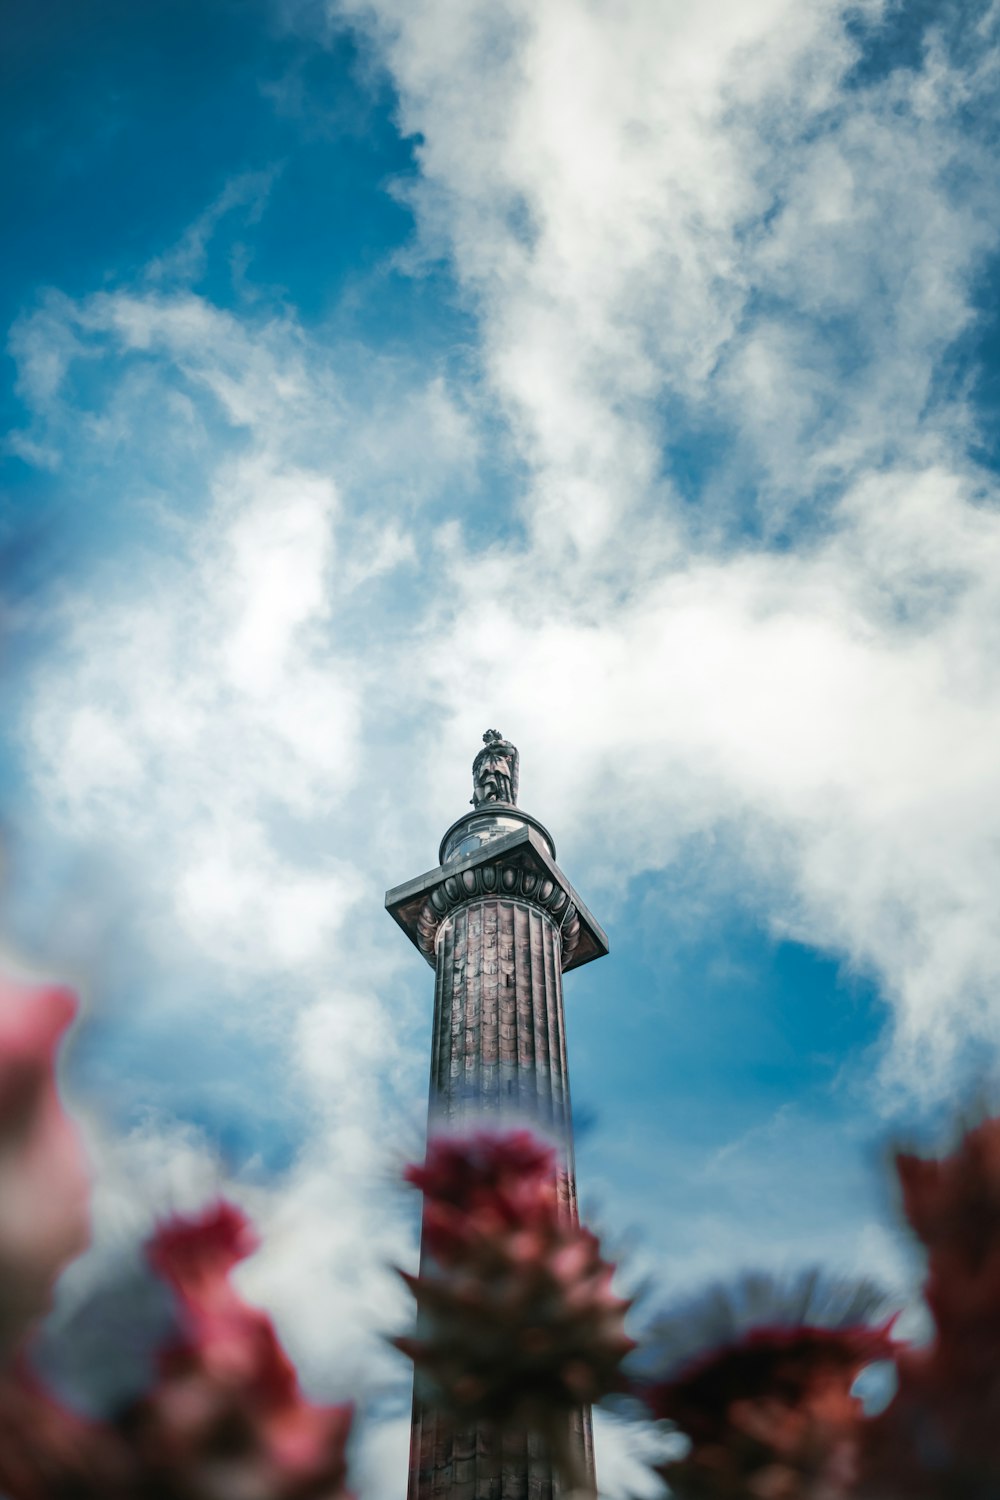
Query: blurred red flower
[
  {"x": 772, "y": 1418},
  {"x": 760, "y": 1387},
  {"x": 517, "y": 1323},
  {"x": 953, "y": 1206},
  {"x": 941, "y": 1434},
  {"x": 481, "y": 1184}
]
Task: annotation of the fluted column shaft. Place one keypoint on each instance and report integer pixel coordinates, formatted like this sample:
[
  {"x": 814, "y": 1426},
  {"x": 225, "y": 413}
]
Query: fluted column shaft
[{"x": 499, "y": 1043}]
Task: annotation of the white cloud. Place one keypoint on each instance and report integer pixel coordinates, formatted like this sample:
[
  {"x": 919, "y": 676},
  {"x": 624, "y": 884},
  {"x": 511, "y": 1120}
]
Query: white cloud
[
  {"x": 625, "y": 1453},
  {"x": 381, "y": 1465},
  {"x": 204, "y": 709},
  {"x": 201, "y": 722},
  {"x": 833, "y": 709},
  {"x": 665, "y": 215},
  {"x": 657, "y": 203},
  {"x": 179, "y": 721},
  {"x": 187, "y": 260}
]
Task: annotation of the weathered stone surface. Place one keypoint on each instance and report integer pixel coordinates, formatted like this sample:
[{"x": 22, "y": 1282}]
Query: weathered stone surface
[
  {"x": 499, "y": 1045},
  {"x": 518, "y": 865}
]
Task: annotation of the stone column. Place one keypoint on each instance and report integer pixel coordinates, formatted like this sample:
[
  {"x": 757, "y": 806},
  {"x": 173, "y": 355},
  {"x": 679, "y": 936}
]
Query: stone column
[{"x": 500, "y": 923}]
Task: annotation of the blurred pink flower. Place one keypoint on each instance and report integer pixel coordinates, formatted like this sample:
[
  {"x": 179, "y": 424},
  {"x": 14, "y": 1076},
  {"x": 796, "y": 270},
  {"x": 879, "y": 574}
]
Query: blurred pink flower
[
  {"x": 481, "y": 1184},
  {"x": 226, "y": 1419},
  {"x": 517, "y": 1323},
  {"x": 768, "y": 1409},
  {"x": 44, "y": 1183},
  {"x": 771, "y": 1419}
]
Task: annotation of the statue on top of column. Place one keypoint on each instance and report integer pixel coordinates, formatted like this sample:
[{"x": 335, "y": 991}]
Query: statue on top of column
[{"x": 494, "y": 771}]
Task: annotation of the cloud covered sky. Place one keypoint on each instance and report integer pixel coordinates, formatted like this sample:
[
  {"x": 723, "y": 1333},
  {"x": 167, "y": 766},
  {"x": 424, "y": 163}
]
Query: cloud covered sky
[{"x": 623, "y": 375}]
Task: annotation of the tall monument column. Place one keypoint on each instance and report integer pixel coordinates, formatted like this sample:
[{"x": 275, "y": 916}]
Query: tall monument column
[{"x": 500, "y": 924}]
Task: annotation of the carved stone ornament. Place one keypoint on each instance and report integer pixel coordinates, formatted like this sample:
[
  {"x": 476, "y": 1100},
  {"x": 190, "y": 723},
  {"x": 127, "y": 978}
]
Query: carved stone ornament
[
  {"x": 505, "y": 881},
  {"x": 495, "y": 771}
]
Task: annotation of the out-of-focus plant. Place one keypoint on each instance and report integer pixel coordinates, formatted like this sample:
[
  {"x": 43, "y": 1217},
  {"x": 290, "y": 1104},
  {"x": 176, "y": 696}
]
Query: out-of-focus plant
[
  {"x": 759, "y": 1382},
  {"x": 225, "y": 1418},
  {"x": 517, "y": 1328},
  {"x": 940, "y": 1437},
  {"x": 771, "y": 1414},
  {"x": 517, "y": 1323}
]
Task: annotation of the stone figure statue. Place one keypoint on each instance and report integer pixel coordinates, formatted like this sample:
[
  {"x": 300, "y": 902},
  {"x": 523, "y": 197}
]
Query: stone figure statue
[{"x": 494, "y": 771}]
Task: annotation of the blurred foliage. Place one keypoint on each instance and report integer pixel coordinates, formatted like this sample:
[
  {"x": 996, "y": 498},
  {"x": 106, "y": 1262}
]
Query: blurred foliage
[{"x": 517, "y": 1328}]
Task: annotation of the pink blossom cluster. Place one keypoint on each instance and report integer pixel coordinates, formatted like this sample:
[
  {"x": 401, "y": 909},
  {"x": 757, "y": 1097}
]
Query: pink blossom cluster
[
  {"x": 518, "y": 1325},
  {"x": 476, "y": 1186},
  {"x": 771, "y": 1415}
]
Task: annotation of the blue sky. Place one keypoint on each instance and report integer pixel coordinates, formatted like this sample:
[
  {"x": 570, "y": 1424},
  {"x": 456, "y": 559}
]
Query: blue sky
[{"x": 623, "y": 376}]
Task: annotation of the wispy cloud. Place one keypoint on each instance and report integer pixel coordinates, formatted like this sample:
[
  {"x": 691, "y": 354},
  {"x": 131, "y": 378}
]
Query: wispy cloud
[{"x": 187, "y": 260}]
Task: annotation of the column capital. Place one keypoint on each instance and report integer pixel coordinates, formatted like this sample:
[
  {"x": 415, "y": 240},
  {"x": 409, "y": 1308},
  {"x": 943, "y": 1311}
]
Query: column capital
[{"x": 519, "y": 867}]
